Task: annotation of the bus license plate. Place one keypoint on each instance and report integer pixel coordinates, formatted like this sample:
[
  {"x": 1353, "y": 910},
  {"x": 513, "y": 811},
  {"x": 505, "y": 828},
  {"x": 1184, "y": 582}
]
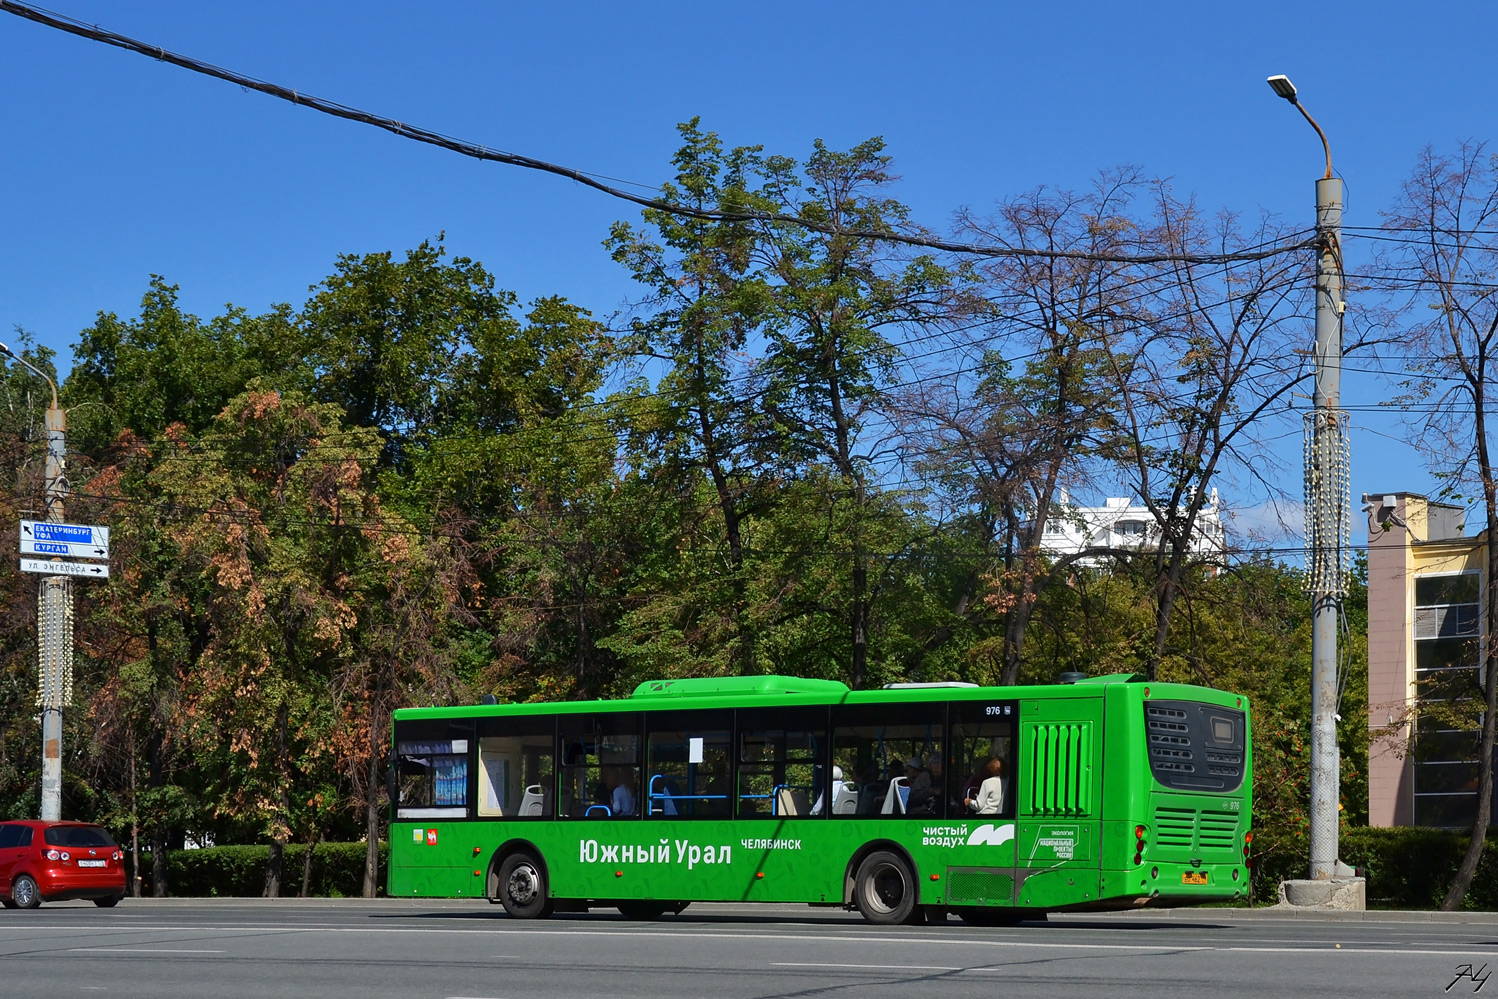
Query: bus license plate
[
  {"x": 1193, "y": 877},
  {"x": 91, "y": 863}
]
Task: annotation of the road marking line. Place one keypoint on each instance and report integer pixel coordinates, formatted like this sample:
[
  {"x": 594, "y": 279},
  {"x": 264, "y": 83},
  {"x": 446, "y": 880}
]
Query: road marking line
[
  {"x": 864, "y": 967},
  {"x": 138, "y": 950},
  {"x": 822, "y": 939}
]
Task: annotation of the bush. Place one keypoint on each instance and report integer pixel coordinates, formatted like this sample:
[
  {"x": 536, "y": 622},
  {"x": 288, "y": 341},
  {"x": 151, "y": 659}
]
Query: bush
[
  {"x": 239, "y": 871},
  {"x": 1412, "y": 868},
  {"x": 1406, "y": 868}
]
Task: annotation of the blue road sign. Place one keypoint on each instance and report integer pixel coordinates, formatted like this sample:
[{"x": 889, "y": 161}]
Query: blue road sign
[{"x": 38, "y": 537}]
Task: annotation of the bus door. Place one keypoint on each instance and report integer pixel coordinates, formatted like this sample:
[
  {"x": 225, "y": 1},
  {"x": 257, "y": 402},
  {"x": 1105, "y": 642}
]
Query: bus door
[{"x": 1060, "y": 785}]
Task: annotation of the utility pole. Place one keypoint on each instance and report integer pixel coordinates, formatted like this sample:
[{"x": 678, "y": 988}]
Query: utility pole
[
  {"x": 1327, "y": 516},
  {"x": 54, "y": 612}
]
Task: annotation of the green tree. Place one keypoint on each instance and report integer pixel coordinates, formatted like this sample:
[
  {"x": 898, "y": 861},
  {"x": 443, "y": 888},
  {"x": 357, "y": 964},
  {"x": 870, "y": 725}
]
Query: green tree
[
  {"x": 169, "y": 367},
  {"x": 838, "y": 303},
  {"x": 707, "y": 300}
]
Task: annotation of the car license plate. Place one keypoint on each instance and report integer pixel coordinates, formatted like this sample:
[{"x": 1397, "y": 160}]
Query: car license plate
[
  {"x": 1193, "y": 877},
  {"x": 92, "y": 863}
]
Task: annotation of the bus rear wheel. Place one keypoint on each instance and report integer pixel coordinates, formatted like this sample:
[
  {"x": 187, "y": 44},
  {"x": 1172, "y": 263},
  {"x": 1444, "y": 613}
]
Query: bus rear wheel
[
  {"x": 522, "y": 887},
  {"x": 884, "y": 889}
]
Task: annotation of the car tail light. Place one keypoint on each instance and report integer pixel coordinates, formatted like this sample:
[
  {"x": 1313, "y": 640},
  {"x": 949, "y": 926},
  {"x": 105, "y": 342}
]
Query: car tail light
[
  {"x": 117, "y": 856},
  {"x": 58, "y": 855}
]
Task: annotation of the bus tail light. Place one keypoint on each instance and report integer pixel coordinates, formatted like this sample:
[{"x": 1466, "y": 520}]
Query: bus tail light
[
  {"x": 1139, "y": 832},
  {"x": 1248, "y": 842}
]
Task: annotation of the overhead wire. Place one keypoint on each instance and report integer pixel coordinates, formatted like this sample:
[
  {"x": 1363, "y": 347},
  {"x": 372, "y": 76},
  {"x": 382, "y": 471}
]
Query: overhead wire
[{"x": 405, "y": 130}]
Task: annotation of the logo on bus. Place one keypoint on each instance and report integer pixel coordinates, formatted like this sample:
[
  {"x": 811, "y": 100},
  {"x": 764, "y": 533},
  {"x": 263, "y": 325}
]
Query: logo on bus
[{"x": 987, "y": 834}]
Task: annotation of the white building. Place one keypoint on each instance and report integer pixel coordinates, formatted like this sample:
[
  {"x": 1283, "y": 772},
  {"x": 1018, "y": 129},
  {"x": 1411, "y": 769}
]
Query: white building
[{"x": 1121, "y": 523}]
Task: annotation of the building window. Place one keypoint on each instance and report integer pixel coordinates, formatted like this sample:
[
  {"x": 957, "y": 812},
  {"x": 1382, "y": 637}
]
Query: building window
[
  {"x": 1447, "y": 659},
  {"x": 1129, "y": 528}
]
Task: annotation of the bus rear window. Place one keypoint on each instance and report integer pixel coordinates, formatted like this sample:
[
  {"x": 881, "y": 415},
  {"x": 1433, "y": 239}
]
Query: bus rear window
[{"x": 1195, "y": 747}]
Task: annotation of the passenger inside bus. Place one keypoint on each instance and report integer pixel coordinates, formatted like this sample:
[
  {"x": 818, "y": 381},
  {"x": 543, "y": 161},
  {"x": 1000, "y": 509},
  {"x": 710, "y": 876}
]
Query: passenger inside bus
[
  {"x": 622, "y": 796},
  {"x": 925, "y": 787},
  {"x": 989, "y": 798}
]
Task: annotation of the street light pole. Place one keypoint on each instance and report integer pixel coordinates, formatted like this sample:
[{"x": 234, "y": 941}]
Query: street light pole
[
  {"x": 1327, "y": 506},
  {"x": 54, "y": 612}
]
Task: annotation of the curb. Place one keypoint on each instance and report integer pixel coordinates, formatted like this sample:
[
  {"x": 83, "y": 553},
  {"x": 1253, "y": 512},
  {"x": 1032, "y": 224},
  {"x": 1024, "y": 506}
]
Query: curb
[{"x": 1279, "y": 912}]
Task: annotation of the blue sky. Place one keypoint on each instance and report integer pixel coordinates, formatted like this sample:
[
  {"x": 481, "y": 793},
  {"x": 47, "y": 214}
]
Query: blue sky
[{"x": 116, "y": 167}]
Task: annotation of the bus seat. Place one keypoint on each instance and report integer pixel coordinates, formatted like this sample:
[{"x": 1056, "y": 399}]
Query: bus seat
[
  {"x": 603, "y": 810},
  {"x": 895, "y": 797},
  {"x": 532, "y": 803},
  {"x": 844, "y": 798},
  {"x": 789, "y": 801}
]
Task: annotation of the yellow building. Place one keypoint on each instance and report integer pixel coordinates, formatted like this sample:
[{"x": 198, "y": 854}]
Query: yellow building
[{"x": 1425, "y": 580}]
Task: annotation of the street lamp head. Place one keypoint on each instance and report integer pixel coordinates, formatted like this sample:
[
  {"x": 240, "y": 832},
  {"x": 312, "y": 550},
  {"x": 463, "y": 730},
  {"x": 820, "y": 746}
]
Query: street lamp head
[
  {"x": 1281, "y": 85},
  {"x": 6, "y": 350}
]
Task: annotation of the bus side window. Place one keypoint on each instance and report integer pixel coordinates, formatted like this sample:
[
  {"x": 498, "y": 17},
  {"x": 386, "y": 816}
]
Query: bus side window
[
  {"x": 516, "y": 767},
  {"x": 982, "y": 775},
  {"x": 892, "y": 755},
  {"x": 688, "y": 764},
  {"x": 782, "y": 763},
  {"x": 600, "y": 773}
]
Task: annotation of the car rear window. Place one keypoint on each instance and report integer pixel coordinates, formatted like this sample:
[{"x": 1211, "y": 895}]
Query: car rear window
[{"x": 77, "y": 836}]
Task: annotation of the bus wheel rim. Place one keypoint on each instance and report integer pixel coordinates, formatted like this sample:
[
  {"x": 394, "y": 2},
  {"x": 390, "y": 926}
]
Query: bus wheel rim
[
  {"x": 524, "y": 885},
  {"x": 886, "y": 888}
]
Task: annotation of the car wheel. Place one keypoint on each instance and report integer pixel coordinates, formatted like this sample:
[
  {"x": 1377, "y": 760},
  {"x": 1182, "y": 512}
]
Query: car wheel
[
  {"x": 885, "y": 889},
  {"x": 108, "y": 903},
  {"x": 522, "y": 887},
  {"x": 24, "y": 893}
]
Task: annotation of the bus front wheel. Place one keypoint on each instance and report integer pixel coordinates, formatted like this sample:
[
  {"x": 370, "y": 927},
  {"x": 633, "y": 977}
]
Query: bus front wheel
[
  {"x": 522, "y": 887},
  {"x": 884, "y": 889}
]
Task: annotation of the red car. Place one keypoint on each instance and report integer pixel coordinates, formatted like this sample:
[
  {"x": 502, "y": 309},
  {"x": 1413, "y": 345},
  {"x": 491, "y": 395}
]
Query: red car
[{"x": 52, "y": 861}]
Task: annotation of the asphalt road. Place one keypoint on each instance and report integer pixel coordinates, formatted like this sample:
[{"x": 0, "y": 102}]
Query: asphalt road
[{"x": 431, "y": 950}]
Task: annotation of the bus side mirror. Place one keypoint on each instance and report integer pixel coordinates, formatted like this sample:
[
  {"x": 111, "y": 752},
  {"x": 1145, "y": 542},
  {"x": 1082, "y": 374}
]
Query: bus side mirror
[{"x": 391, "y": 790}]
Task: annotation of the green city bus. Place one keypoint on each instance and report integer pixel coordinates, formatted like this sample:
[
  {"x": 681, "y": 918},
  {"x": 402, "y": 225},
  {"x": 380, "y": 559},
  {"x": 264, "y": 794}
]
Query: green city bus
[{"x": 995, "y": 803}]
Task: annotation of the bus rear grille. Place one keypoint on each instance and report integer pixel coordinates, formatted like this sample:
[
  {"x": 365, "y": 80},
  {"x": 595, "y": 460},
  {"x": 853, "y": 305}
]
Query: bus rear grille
[
  {"x": 1175, "y": 827},
  {"x": 1188, "y": 829},
  {"x": 1217, "y": 830},
  {"x": 977, "y": 884}
]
